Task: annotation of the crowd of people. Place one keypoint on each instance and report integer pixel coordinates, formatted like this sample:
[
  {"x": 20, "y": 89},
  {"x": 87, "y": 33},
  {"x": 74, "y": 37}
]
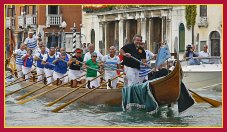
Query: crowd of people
[{"x": 84, "y": 63}]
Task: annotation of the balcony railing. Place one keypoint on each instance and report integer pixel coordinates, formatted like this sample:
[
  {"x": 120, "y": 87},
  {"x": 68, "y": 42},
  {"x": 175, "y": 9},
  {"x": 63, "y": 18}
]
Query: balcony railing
[
  {"x": 21, "y": 21},
  {"x": 10, "y": 22},
  {"x": 31, "y": 20},
  {"x": 53, "y": 20},
  {"x": 203, "y": 22}
]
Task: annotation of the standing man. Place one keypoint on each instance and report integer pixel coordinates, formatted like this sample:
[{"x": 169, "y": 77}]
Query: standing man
[
  {"x": 111, "y": 62},
  {"x": 60, "y": 68},
  {"x": 27, "y": 64},
  {"x": 85, "y": 49},
  {"x": 31, "y": 42},
  {"x": 132, "y": 66},
  {"x": 19, "y": 62},
  {"x": 38, "y": 58},
  {"x": 48, "y": 64},
  {"x": 144, "y": 71},
  {"x": 40, "y": 45},
  {"x": 67, "y": 55},
  {"x": 75, "y": 70},
  {"x": 91, "y": 49}
]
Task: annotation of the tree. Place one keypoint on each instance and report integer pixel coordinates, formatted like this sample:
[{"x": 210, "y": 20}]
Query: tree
[{"x": 190, "y": 17}]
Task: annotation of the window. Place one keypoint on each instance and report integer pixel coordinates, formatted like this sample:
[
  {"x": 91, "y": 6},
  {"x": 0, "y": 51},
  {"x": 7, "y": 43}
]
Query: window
[
  {"x": 181, "y": 38},
  {"x": 34, "y": 10},
  {"x": 26, "y": 9},
  {"x": 203, "y": 11},
  {"x": 53, "y": 9}
]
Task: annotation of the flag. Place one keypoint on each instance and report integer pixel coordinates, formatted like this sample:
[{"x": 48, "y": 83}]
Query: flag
[
  {"x": 162, "y": 55},
  {"x": 12, "y": 43}
]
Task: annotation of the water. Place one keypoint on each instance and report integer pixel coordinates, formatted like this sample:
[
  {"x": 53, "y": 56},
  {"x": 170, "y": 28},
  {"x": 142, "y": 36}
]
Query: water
[{"x": 34, "y": 114}]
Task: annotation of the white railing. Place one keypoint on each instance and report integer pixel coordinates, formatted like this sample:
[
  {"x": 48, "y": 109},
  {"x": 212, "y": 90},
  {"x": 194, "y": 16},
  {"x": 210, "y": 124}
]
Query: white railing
[
  {"x": 10, "y": 21},
  {"x": 21, "y": 21},
  {"x": 203, "y": 22},
  {"x": 53, "y": 20},
  {"x": 31, "y": 20}
]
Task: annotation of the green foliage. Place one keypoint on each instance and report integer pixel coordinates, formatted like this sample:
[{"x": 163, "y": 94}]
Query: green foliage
[{"x": 190, "y": 15}]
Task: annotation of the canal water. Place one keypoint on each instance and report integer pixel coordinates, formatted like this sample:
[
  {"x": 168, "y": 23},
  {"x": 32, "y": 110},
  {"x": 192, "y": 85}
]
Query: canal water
[{"x": 34, "y": 114}]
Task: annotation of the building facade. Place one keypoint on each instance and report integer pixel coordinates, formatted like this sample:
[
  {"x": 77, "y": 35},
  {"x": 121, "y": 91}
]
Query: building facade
[
  {"x": 107, "y": 25},
  {"x": 156, "y": 24},
  {"x": 45, "y": 21}
]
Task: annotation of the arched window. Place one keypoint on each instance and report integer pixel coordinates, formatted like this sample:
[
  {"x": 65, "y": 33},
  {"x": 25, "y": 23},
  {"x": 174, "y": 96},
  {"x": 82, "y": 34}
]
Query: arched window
[
  {"x": 93, "y": 36},
  {"x": 215, "y": 43},
  {"x": 181, "y": 38}
]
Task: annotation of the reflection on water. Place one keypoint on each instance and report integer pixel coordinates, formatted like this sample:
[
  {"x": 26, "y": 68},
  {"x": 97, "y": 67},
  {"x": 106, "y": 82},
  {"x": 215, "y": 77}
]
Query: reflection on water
[{"x": 34, "y": 114}]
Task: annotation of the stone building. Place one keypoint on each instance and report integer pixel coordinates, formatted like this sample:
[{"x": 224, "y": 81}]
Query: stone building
[{"x": 116, "y": 25}]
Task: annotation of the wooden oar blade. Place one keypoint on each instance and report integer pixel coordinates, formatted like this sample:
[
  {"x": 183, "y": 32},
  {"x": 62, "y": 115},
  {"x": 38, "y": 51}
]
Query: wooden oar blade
[
  {"x": 214, "y": 103},
  {"x": 200, "y": 99}
]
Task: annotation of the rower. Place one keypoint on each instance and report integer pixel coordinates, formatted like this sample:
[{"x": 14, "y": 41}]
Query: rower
[
  {"x": 92, "y": 73},
  {"x": 111, "y": 62},
  {"x": 40, "y": 45},
  {"x": 131, "y": 66},
  {"x": 48, "y": 66},
  {"x": 75, "y": 68},
  {"x": 60, "y": 68},
  {"x": 27, "y": 64},
  {"x": 143, "y": 72},
  {"x": 19, "y": 62},
  {"x": 38, "y": 58},
  {"x": 66, "y": 59},
  {"x": 31, "y": 41}
]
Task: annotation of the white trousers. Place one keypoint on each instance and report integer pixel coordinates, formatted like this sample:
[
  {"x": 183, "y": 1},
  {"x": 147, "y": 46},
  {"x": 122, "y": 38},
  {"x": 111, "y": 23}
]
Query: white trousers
[
  {"x": 94, "y": 83},
  {"x": 73, "y": 74},
  {"x": 48, "y": 73},
  {"x": 19, "y": 72},
  {"x": 57, "y": 75},
  {"x": 27, "y": 72},
  {"x": 39, "y": 72},
  {"x": 110, "y": 75},
  {"x": 132, "y": 74}
]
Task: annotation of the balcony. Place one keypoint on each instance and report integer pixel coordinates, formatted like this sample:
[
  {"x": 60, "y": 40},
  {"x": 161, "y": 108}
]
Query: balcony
[
  {"x": 7, "y": 22},
  {"x": 10, "y": 22},
  {"x": 53, "y": 20},
  {"x": 31, "y": 20},
  {"x": 21, "y": 21},
  {"x": 202, "y": 22}
]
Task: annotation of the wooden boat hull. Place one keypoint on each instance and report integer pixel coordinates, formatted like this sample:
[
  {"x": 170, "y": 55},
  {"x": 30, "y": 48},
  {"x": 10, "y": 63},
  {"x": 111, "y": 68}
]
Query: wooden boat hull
[
  {"x": 165, "y": 90},
  {"x": 110, "y": 97}
]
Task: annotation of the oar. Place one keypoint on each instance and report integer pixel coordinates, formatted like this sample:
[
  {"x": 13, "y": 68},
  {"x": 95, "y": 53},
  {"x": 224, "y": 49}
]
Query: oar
[
  {"x": 214, "y": 103},
  {"x": 71, "y": 101},
  {"x": 24, "y": 87},
  {"x": 86, "y": 66},
  {"x": 25, "y": 95},
  {"x": 140, "y": 62},
  {"x": 59, "y": 99},
  {"x": 18, "y": 79},
  {"x": 38, "y": 95},
  {"x": 23, "y": 80}
]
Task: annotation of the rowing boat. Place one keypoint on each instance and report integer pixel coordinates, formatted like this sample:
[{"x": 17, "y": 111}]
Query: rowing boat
[{"x": 166, "y": 90}]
